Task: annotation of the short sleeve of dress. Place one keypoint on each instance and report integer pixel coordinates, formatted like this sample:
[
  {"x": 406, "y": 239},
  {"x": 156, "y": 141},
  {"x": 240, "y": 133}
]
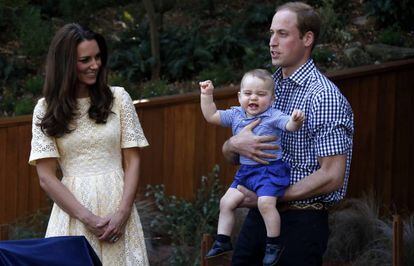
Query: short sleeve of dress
[
  {"x": 131, "y": 130},
  {"x": 43, "y": 146}
]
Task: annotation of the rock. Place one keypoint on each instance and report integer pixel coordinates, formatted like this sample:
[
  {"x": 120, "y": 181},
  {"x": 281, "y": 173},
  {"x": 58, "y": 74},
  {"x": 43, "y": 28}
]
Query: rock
[
  {"x": 360, "y": 21},
  {"x": 353, "y": 45},
  {"x": 356, "y": 56},
  {"x": 386, "y": 52}
]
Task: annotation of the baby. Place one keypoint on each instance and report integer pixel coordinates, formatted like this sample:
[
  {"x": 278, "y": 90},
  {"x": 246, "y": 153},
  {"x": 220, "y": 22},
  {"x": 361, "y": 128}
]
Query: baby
[{"x": 268, "y": 181}]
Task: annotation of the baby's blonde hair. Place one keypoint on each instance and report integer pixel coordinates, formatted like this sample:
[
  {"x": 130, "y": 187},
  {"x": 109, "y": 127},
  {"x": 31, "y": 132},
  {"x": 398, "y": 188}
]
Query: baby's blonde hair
[{"x": 262, "y": 74}]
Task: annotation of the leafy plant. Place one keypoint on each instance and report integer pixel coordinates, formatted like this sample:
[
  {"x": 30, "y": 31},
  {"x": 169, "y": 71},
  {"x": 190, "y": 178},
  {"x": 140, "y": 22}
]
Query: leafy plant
[
  {"x": 392, "y": 36},
  {"x": 34, "y": 85},
  {"x": 322, "y": 55},
  {"x": 30, "y": 226},
  {"x": 389, "y": 12},
  {"x": 220, "y": 75},
  {"x": 156, "y": 88},
  {"x": 184, "y": 221},
  {"x": 332, "y": 27},
  {"x": 185, "y": 53},
  {"x": 34, "y": 33},
  {"x": 24, "y": 106}
]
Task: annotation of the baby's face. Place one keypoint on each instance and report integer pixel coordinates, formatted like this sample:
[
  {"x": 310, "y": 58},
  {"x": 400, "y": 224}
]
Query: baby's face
[{"x": 254, "y": 96}]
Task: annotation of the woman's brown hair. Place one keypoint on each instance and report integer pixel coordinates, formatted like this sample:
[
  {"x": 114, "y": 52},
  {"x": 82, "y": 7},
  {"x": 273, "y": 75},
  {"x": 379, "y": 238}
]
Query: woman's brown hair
[{"x": 61, "y": 80}]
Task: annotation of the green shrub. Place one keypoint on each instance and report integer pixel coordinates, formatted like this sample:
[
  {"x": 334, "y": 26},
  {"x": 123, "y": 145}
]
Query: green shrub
[
  {"x": 34, "y": 33},
  {"x": 30, "y": 226},
  {"x": 34, "y": 85},
  {"x": 185, "y": 53},
  {"x": 220, "y": 75},
  {"x": 184, "y": 221},
  {"x": 156, "y": 88},
  {"x": 333, "y": 26},
  {"x": 256, "y": 56},
  {"x": 322, "y": 55},
  {"x": 131, "y": 56},
  {"x": 116, "y": 79},
  {"x": 24, "y": 106},
  {"x": 389, "y": 12},
  {"x": 7, "y": 100},
  {"x": 79, "y": 9},
  {"x": 391, "y": 36}
]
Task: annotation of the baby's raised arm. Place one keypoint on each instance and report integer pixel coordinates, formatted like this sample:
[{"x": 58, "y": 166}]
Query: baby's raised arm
[
  {"x": 208, "y": 107},
  {"x": 296, "y": 120}
]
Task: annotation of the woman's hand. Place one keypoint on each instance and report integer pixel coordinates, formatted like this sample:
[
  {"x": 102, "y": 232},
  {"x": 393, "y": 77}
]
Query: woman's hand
[
  {"x": 97, "y": 225},
  {"x": 115, "y": 226}
]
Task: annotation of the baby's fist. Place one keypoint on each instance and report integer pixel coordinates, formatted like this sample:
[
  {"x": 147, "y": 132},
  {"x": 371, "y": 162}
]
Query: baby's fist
[
  {"x": 298, "y": 116},
  {"x": 206, "y": 87}
]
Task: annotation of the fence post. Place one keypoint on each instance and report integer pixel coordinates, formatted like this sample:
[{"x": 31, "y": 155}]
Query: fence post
[
  {"x": 397, "y": 241},
  {"x": 4, "y": 232},
  {"x": 205, "y": 246}
]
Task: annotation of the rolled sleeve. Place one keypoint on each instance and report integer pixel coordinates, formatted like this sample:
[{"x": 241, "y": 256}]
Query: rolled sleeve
[{"x": 332, "y": 125}]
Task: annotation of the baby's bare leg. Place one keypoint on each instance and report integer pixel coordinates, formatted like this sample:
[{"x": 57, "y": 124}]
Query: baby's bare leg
[
  {"x": 228, "y": 204},
  {"x": 271, "y": 217}
]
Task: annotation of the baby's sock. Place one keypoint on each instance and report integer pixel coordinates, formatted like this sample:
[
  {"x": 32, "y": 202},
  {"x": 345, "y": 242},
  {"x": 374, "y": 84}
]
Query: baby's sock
[
  {"x": 273, "y": 240},
  {"x": 223, "y": 238}
]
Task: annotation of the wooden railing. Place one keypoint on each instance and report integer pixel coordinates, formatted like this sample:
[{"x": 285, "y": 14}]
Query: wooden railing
[{"x": 183, "y": 146}]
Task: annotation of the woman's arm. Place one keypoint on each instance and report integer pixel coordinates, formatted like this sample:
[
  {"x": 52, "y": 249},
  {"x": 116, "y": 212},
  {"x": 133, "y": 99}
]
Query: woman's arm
[{"x": 46, "y": 170}]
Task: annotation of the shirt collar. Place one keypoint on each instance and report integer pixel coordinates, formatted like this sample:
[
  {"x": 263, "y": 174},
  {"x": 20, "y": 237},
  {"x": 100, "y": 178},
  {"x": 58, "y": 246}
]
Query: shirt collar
[
  {"x": 267, "y": 113},
  {"x": 299, "y": 76}
]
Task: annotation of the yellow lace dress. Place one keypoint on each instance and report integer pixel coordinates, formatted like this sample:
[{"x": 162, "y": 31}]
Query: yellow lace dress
[{"x": 91, "y": 162}]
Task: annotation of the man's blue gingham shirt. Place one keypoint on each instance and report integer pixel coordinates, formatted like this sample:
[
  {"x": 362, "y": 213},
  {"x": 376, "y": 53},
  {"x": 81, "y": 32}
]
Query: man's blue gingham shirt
[{"x": 328, "y": 128}]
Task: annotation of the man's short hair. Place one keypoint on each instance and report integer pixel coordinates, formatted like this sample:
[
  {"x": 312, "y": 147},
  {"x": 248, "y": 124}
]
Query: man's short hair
[{"x": 308, "y": 18}]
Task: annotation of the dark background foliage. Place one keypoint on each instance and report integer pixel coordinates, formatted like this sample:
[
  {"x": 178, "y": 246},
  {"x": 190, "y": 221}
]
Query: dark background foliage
[{"x": 207, "y": 39}]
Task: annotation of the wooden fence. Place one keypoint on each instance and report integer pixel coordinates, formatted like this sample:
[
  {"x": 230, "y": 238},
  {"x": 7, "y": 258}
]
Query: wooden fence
[{"x": 183, "y": 147}]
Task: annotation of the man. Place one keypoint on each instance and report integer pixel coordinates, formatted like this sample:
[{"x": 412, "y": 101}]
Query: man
[{"x": 319, "y": 154}]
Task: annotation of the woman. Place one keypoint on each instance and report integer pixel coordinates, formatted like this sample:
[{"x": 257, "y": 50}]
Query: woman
[{"x": 93, "y": 133}]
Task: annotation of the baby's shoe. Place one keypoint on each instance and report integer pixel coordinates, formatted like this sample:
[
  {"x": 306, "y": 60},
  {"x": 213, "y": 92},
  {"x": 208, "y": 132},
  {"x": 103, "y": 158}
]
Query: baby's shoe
[
  {"x": 272, "y": 254},
  {"x": 219, "y": 248}
]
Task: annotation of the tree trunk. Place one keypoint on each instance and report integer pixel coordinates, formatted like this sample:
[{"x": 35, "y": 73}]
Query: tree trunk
[{"x": 155, "y": 39}]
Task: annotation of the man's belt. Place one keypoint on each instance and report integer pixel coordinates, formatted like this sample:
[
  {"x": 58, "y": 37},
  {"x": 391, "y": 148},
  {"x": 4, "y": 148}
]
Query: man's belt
[{"x": 315, "y": 206}]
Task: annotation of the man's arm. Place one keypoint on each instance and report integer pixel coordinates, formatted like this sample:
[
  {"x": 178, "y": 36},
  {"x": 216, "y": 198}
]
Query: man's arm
[
  {"x": 328, "y": 178},
  {"x": 249, "y": 145}
]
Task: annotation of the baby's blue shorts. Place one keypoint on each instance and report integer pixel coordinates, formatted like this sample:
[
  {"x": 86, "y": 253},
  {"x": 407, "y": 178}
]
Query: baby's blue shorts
[{"x": 264, "y": 180}]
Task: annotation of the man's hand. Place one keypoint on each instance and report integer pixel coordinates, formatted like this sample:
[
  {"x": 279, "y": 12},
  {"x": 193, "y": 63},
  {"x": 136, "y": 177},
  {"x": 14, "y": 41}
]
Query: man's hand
[
  {"x": 250, "y": 198},
  {"x": 249, "y": 145}
]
